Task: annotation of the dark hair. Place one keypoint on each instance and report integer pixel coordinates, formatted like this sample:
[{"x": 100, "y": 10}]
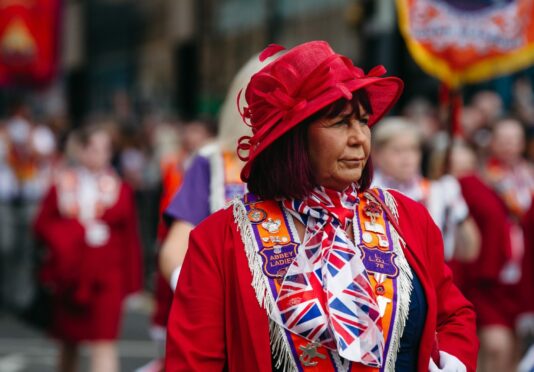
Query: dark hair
[
  {"x": 499, "y": 121},
  {"x": 208, "y": 123},
  {"x": 83, "y": 135},
  {"x": 284, "y": 170}
]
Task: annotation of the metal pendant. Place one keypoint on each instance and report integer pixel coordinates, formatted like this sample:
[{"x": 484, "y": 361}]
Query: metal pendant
[
  {"x": 367, "y": 237},
  {"x": 382, "y": 302},
  {"x": 374, "y": 227},
  {"x": 272, "y": 226},
  {"x": 275, "y": 239},
  {"x": 383, "y": 241},
  {"x": 256, "y": 215},
  {"x": 309, "y": 352}
]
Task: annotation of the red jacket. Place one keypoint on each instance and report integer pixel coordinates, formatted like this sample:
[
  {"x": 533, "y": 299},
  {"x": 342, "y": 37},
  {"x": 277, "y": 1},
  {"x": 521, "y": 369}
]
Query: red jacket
[
  {"x": 93, "y": 279},
  {"x": 480, "y": 280},
  {"x": 527, "y": 276},
  {"x": 217, "y": 324},
  {"x": 64, "y": 238}
]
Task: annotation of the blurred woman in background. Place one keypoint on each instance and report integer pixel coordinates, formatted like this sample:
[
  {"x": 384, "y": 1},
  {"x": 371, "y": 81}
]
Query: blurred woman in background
[
  {"x": 87, "y": 222},
  {"x": 190, "y": 137},
  {"x": 507, "y": 295},
  {"x": 211, "y": 181},
  {"x": 397, "y": 157}
]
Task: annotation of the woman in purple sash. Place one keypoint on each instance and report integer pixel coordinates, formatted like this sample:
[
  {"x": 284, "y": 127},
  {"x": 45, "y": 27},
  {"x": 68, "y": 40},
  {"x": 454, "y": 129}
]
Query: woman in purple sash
[{"x": 211, "y": 180}]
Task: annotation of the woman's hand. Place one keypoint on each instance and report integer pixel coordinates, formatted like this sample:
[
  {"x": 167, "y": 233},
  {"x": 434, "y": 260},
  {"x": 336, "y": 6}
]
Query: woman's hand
[
  {"x": 467, "y": 247},
  {"x": 448, "y": 363}
]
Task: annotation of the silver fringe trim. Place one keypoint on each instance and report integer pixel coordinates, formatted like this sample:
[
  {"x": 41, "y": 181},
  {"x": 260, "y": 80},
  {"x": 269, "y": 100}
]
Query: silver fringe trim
[
  {"x": 391, "y": 203},
  {"x": 280, "y": 348},
  {"x": 342, "y": 365},
  {"x": 405, "y": 287}
]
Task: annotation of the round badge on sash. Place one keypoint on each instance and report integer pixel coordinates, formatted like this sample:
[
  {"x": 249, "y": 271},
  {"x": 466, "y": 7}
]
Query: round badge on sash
[{"x": 256, "y": 215}]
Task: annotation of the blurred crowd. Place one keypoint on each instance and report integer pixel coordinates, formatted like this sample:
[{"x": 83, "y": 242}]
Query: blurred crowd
[
  {"x": 66, "y": 218},
  {"x": 477, "y": 184},
  {"x": 146, "y": 151}
]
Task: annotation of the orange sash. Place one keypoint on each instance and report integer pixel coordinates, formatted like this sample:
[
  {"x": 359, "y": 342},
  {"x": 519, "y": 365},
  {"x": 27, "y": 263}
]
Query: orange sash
[{"x": 277, "y": 245}]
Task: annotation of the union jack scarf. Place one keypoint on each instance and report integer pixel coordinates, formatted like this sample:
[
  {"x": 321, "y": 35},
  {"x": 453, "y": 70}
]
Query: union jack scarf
[{"x": 326, "y": 296}]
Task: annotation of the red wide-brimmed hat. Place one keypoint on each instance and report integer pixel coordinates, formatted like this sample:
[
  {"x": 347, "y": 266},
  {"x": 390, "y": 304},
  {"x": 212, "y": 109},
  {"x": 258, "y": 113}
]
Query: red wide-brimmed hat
[{"x": 298, "y": 84}]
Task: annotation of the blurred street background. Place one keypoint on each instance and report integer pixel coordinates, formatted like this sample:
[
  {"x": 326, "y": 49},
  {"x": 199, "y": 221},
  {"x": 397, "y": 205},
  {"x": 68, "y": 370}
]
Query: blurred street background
[{"x": 24, "y": 349}]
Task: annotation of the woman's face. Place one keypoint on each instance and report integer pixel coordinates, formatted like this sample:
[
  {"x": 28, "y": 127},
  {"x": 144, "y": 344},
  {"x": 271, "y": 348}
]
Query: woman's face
[
  {"x": 399, "y": 158},
  {"x": 339, "y": 148},
  {"x": 96, "y": 155},
  {"x": 508, "y": 142},
  {"x": 462, "y": 161}
]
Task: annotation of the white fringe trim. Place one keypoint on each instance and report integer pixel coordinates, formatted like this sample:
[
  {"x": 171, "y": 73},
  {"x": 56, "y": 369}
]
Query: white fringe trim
[
  {"x": 391, "y": 203},
  {"x": 281, "y": 350}
]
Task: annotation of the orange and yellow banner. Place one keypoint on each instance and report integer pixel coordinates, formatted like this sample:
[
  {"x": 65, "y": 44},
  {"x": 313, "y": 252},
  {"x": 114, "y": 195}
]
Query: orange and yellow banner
[
  {"x": 28, "y": 41},
  {"x": 460, "y": 41}
]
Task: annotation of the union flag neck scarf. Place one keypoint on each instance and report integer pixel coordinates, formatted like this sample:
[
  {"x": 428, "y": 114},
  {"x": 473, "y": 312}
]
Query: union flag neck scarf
[{"x": 326, "y": 296}]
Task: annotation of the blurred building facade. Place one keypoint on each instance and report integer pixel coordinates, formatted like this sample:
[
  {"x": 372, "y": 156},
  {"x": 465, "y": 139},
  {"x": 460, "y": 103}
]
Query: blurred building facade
[
  {"x": 178, "y": 56},
  {"x": 181, "y": 55}
]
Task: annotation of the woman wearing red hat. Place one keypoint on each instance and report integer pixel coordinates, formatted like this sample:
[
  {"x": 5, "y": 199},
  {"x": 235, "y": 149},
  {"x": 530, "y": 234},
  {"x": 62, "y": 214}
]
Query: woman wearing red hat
[{"x": 312, "y": 270}]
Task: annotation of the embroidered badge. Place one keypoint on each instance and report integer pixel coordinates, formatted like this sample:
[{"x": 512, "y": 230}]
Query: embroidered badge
[
  {"x": 276, "y": 259},
  {"x": 378, "y": 261},
  {"x": 373, "y": 210}
]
